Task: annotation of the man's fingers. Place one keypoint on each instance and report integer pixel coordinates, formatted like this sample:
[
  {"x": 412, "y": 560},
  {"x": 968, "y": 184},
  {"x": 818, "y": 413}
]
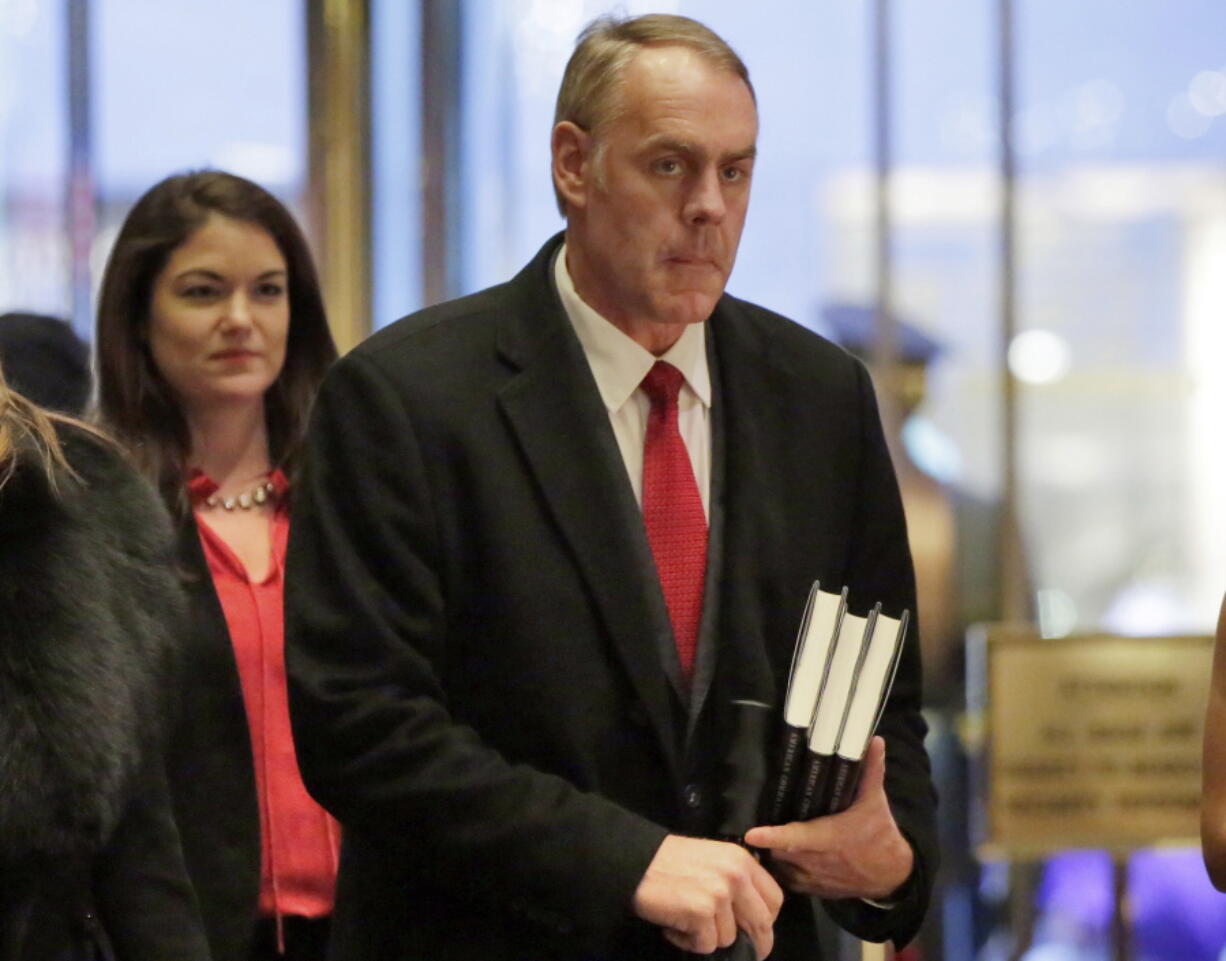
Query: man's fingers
[
  {"x": 725, "y": 924},
  {"x": 754, "y": 913},
  {"x": 872, "y": 773},
  {"x": 705, "y": 930},
  {"x": 796, "y": 835},
  {"x": 768, "y": 838},
  {"x": 769, "y": 891},
  {"x": 701, "y": 892},
  {"x": 801, "y": 835},
  {"x": 859, "y": 852}
]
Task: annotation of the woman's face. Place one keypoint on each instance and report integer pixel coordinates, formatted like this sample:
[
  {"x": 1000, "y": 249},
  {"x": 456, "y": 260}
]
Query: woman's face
[{"x": 219, "y": 315}]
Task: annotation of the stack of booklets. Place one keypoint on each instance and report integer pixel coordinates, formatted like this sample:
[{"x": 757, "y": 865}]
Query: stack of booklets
[{"x": 842, "y": 671}]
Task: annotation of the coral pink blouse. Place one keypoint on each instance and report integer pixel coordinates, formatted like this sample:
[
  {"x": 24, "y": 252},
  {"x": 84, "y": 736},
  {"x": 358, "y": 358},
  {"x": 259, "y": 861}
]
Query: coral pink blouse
[{"x": 299, "y": 840}]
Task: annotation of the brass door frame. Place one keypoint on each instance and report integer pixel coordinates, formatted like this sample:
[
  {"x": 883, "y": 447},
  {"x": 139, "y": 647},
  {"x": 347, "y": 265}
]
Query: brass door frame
[{"x": 338, "y": 196}]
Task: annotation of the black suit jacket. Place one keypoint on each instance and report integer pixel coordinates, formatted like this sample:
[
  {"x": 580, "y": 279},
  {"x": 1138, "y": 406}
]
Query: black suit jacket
[
  {"x": 211, "y": 768},
  {"x": 479, "y": 669}
]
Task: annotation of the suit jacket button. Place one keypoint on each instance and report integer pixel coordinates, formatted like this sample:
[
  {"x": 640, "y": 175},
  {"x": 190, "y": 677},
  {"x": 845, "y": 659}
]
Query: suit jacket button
[{"x": 692, "y": 796}]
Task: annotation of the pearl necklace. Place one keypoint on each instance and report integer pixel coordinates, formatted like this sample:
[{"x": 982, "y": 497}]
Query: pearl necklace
[{"x": 262, "y": 493}]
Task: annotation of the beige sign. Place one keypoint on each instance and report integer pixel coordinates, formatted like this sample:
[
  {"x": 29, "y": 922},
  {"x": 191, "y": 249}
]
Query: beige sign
[{"x": 1093, "y": 740}]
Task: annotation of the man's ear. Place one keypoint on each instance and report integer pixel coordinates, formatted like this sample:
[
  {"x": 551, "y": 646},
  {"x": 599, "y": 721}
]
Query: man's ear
[{"x": 571, "y": 148}]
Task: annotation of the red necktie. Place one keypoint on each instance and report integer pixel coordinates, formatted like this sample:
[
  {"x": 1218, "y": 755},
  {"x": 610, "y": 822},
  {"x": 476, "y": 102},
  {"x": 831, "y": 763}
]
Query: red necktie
[{"x": 672, "y": 511}]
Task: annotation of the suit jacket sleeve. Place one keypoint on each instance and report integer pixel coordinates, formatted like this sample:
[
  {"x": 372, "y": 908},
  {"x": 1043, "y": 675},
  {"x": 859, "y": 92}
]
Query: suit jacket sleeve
[
  {"x": 147, "y": 904},
  {"x": 880, "y": 568},
  {"x": 368, "y": 627}
]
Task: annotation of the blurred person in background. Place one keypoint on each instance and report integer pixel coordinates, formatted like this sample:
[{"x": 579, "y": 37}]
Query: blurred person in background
[
  {"x": 954, "y": 537},
  {"x": 211, "y": 341},
  {"x": 45, "y": 361},
  {"x": 953, "y": 533},
  {"x": 90, "y": 616}
]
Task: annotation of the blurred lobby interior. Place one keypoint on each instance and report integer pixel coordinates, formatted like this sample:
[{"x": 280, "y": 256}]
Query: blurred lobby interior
[{"x": 1015, "y": 210}]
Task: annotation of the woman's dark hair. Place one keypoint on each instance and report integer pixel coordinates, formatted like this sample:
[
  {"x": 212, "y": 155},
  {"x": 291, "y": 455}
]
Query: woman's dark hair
[{"x": 135, "y": 403}]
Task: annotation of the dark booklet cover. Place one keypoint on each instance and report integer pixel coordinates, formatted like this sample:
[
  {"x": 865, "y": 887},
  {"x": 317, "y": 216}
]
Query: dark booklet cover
[
  {"x": 871, "y": 688},
  {"x": 830, "y": 714},
  {"x": 842, "y": 671},
  {"x": 810, "y": 662}
]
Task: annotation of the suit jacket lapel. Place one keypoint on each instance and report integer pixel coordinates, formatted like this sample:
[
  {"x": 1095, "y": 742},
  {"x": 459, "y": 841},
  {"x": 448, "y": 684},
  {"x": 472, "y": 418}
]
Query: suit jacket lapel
[
  {"x": 749, "y": 421},
  {"x": 709, "y": 630},
  {"x": 554, "y": 410}
]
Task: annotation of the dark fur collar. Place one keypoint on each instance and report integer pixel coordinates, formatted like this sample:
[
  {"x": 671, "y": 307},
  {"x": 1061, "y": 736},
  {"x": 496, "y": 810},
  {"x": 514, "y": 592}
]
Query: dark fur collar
[{"x": 88, "y": 604}]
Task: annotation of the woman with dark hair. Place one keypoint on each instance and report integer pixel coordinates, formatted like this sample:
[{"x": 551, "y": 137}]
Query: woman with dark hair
[
  {"x": 211, "y": 341},
  {"x": 90, "y": 612}
]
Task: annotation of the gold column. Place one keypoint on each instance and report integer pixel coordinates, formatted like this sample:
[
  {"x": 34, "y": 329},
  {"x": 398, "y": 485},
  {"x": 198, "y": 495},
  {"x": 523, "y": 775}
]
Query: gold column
[{"x": 338, "y": 47}]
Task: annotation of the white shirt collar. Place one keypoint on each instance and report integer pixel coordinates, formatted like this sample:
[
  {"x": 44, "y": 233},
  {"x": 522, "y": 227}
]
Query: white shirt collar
[{"x": 619, "y": 363}]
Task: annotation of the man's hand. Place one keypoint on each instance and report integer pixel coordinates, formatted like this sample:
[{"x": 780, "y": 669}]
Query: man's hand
[
  {"x": 859, "y": 853},
  {"x": 700, "y": 892}
]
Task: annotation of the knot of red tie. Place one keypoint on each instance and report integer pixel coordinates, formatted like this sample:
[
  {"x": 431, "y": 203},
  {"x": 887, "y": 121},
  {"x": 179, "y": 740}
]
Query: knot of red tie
[
  {"x": 672, "y": 511},
  {"x": 663, "y": 384}
]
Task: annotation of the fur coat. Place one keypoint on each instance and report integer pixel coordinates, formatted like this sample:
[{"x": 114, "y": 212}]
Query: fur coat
[{"x": 90, "y": 613}]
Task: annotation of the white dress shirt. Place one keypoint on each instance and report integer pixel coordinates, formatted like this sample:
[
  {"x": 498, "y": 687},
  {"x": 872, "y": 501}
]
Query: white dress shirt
[{"x": 619, "y": 364}]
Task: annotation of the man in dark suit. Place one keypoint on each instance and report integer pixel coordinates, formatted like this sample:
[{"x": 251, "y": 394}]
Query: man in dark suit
[{"x": 518, "y": 612}]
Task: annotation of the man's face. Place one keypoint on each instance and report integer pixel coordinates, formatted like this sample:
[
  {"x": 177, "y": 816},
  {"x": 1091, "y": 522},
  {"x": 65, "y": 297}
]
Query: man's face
[{"x": 660, "y": 195}]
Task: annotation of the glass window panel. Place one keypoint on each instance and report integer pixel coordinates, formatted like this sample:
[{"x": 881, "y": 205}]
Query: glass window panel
[
  {"x": 1121, "y": 255},
  {"x": 34, "y": 252},
  {"x": 944, "y": 197},
  {"x": 188, "y": 84},
  {"x": 395, "y": 131}
]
